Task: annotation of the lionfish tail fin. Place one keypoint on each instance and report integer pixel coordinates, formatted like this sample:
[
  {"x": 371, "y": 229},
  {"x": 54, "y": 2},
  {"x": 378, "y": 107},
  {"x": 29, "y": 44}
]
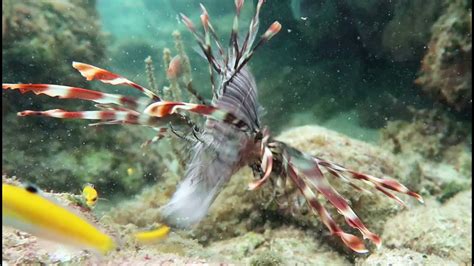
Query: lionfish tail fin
[
  {"x": 190, "y": 203},
  {"x": 203, "y": 181}
]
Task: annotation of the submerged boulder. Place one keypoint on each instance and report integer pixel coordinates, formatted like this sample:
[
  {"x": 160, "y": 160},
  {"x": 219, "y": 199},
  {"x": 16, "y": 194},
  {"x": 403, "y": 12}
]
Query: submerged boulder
[
  {"x": 40, "y": 39},
  {"x": 446, "y": 70},
  {"x": 435, "y": 229}
]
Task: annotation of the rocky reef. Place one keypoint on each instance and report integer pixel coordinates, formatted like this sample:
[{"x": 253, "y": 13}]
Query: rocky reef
[
  {"x": 40, "y": 39},
  {"x": 65, "y": 155},
  {"x": 434, "y": 147},
  {"x": 446, "y": 70},
  {"x": 263, "y": 228}
]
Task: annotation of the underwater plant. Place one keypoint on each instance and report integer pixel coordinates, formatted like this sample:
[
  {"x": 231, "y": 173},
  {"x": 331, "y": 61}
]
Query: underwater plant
[{"x": 231, "y": 137}]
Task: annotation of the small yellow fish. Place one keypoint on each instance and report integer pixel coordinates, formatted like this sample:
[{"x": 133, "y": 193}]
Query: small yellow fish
[
  {"x": 24, "y": 208},
  {"x": 90, "y": 195},
  {"x": 146, "y": 237},
  {"x": 130, "y": 171}
]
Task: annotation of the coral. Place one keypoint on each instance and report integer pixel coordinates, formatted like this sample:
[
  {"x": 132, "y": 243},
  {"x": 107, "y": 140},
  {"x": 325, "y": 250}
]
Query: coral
[{"x": 446, "y": 71}]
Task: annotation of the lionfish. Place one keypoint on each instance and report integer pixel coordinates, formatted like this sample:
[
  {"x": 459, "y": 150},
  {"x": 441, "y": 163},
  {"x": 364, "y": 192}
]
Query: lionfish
[{"x": 230, "y": 138}]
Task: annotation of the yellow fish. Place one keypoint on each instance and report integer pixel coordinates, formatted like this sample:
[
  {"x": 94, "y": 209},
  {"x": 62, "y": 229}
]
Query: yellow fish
[
  {"x": 90, "y": 195},
  {"x": 146, "y": 237},
  {"x": 25, "y": 209},
  {"x": 130, "y": 171}
]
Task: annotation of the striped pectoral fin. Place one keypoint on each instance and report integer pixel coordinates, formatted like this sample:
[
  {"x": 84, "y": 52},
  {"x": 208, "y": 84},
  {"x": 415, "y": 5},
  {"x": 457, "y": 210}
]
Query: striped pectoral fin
[
  {"x": 351, "y": 241},
  {"x": 109, "y": 117},
  {"x": 378, "y": 183},
  {"x": 387, "y": 183},
  {"x": 345, "y": 179},
  {"x": 310, "y": 169},
  {"x": 67, "y": 92},
  {"x": 91, "y": 72},
  {"x": 88, "y": 115},
  {"x": 164, "y": 109}
]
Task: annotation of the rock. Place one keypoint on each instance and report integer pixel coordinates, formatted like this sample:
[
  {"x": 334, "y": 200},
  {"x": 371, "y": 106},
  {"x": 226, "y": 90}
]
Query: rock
[
  {"x": 433, "y": 148},
  {"x": 303, "y": 248},
  {"x": 283, "y": 246},
  {"x": 42, "y": 38},
  {"x": 403, "y": 257},
  {"x": 434, "y": 229},
  {"x": 238, "y": 248},
  {"x": 446, "y": 71},
  {"x": 431, "y": 133}
]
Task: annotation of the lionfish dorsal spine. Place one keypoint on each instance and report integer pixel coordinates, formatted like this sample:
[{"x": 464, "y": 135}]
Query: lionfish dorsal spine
[{"x": 234, "y": 58}]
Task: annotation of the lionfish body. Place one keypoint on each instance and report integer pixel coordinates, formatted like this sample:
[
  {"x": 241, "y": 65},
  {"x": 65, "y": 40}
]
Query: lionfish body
[{"x": 230, "y": 138}]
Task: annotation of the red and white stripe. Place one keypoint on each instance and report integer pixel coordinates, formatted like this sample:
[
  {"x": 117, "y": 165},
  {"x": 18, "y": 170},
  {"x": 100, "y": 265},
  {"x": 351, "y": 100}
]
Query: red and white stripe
[
  {"x": 165, "y": 108},
  {"x": 266, "y": 161},
  {"x": 349, "y": 240},
  {"x": 310, "y": 169},
  {"x": 109, "y": 117},
  {"x": 67, "y": 92},
  {"x": 378, "y": 183},
  {"x": 91, "y": 72},
  {"x": 267, "y": 166}
]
